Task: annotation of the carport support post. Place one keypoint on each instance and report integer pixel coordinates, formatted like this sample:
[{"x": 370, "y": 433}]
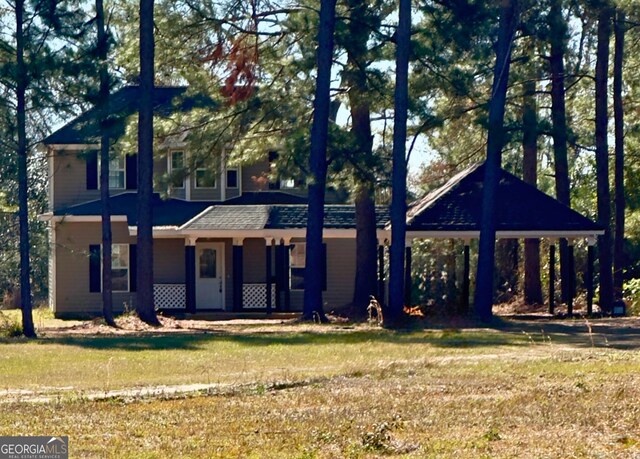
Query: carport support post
[
  {"x": 190, "y": 274},
  {"x": 238, "y": 274},
  {"x": 381, "y": 273},
  {"x": 268, "y": 243},
  {"x": 407, "y": 272},
  {"x": 571, "y": 289},
  {"x": 552, "y": 275},
  {"x": 589, "y": 280},
  {"x": 466, "y": 281},
  {"x": 286, "y": 275}
]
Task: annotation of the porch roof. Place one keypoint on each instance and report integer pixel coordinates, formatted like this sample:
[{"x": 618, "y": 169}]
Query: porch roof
[
  {"x": 259, "y": 217},
  {"x": 166, "y": 212}
]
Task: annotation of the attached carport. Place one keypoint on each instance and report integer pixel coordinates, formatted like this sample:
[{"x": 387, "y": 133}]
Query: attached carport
[{"x": 454, "y": 211}]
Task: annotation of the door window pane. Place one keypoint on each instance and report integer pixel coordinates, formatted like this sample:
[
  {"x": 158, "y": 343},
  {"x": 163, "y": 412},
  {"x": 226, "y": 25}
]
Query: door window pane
[{"x": 208, "y": 263}]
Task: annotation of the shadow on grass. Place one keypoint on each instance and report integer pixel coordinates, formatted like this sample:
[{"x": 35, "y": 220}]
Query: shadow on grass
[
  {"x": 456, "y": 333},
  {"x": 441, "y": 338}
]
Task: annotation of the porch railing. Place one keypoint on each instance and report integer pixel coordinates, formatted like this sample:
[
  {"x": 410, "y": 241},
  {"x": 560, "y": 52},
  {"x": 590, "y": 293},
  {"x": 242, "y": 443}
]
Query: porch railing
[
  {"x": 169, "y": 296},
  {"x": 254, "y": 296}
]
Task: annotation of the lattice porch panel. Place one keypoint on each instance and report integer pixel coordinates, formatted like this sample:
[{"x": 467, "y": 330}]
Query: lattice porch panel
[
  {"x": 254, "y": 296},
  {"x": 170, "y": 296}
]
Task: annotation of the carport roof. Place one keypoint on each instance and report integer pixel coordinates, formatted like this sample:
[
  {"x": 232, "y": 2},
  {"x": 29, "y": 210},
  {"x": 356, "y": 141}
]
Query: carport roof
[{"x": 521, "y": 209}]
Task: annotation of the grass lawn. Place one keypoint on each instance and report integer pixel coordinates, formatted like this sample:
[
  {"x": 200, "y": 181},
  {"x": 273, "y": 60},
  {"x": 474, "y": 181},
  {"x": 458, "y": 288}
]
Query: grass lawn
[{"x": 328, "y": 391}]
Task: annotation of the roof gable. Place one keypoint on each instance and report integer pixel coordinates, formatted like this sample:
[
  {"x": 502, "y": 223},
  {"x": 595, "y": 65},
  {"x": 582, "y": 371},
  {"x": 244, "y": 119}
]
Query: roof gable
[
  {"x": 457, "y": 206},
  {"x": 85, "y": 129}
]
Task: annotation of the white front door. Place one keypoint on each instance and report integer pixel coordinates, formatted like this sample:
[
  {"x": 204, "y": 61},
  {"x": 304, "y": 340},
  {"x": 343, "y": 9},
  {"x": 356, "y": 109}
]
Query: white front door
[{"x": 209, "y": 275}]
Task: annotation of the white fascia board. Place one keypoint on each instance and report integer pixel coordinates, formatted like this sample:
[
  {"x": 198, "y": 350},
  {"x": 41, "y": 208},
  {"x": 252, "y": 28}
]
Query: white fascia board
[
  {"x": 73, "y": 146},
  {"x": 331, "y": 233},
  {"x": 80, "y": 218},
  {"x": 170, "y": 232},
  {"x": 549, "y": 234},
  {"x": 509, "y": 234}
]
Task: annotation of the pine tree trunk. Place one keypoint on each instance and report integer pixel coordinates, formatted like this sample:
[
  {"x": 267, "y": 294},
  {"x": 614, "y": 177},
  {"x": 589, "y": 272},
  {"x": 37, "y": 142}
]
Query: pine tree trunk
[
  {"x": 366, "y": 250},
  {"x": 359, "y": 96},
  {"x": 618, "y": 110},
  {"x": 532, "y": 283},
  {"x": 399, "y": 172},
  {"x": 558, "y": 28},
  {"x": 144, "y": 299},
  {"x": 23, "y": 190},
  {"x": 602, "y": 159},
  {"x": 486, "y": 253},
  {"x": 103, "y": 99},
  {"x": 313, "y": 308}
]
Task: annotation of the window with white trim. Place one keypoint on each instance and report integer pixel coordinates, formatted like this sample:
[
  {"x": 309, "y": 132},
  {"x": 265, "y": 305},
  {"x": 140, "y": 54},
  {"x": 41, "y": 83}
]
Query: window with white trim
[
  {"x": 117, "y": 173},
  {"x": 176, "y": 169},
  {"x": 205, "y": 178},
  {"x": 119, "y": 267},
  {"x": 297, "y": 265},
  {"x": 232, "y": 178}
]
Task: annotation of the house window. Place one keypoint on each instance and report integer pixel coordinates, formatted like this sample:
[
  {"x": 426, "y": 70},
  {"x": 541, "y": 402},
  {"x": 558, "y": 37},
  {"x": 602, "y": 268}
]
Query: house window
[
  {"x": 120, "y": 267},
  {"x": 232, "y": 178},
  {"x": 176, "y": 169},
  {"x": 205, "y": 178},
  {"x": 117, "y": 173},
  {"x": 280, "y": 182},
  {"x": 297, "y": 264}
]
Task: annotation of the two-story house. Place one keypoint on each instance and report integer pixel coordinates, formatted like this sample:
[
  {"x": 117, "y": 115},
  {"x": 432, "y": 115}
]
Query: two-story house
[{"x": 224, "y": 239}]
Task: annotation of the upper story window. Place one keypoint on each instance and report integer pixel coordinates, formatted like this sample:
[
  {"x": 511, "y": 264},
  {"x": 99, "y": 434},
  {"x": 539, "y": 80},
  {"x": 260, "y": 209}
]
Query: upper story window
[
  {"x": 280, "y": 182},
  {"x": 232, "y": 178},
  {"x": 176, "y": 169},
  {"x": 117, "y": 173},
  {"x": 205, "y": 178}
]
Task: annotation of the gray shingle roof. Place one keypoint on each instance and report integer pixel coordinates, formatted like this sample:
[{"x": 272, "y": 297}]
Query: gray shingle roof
[
  {"x": 335, "y": 216},
  {"x": 229, "y": 217},
  {"x": 224, "y": 217}
]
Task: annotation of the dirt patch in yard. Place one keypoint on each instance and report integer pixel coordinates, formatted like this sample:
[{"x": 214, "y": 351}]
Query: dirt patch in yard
[{"x": 131, "y": 325}]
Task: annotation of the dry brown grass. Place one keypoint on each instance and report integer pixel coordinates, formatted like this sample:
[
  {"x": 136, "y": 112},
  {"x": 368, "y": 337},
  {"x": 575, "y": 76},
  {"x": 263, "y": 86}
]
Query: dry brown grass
[{"x": 553, "y": 393}]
